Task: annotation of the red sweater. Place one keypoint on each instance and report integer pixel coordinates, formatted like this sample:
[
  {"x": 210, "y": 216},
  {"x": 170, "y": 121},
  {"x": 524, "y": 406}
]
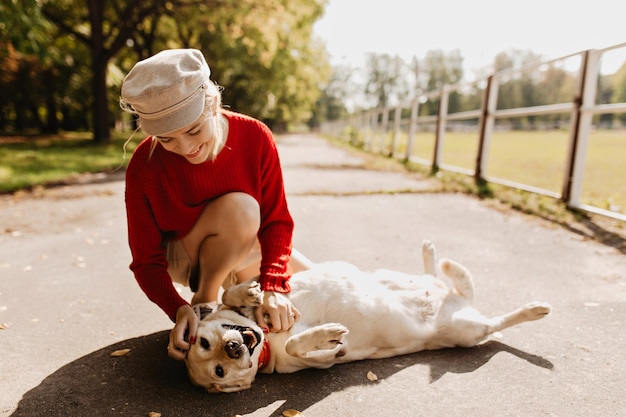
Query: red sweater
[{"x": 165, "y": 194}]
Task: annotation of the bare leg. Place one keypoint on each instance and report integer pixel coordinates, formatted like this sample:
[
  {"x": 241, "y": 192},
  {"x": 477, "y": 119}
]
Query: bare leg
[
  {"x": 299, "y": 262},
  {"x": 222, "y": 237}
]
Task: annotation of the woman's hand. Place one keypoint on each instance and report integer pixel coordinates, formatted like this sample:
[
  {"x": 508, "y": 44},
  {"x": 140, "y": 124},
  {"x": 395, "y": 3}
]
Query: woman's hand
[
  {"x": 279, "y": 309},
  {"x": 183, "y": 335}
]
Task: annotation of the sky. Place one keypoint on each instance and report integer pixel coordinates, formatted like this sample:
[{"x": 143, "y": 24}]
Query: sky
[{"x": 479, "y": 29}]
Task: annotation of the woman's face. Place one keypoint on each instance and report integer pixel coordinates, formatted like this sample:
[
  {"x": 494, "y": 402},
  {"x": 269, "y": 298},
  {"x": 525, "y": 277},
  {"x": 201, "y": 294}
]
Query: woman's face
[{"x": 193, "y": 141}]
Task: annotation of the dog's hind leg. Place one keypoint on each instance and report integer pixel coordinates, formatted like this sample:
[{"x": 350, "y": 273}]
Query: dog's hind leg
[
  {"x": 528, "y": 312},
  {"x": 460, "y": 277},
  {"x": 428, "y": 253},
  {"x": 468, "y": 327}
]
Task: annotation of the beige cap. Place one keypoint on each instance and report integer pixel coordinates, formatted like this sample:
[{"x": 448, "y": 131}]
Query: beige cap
[{"x": 166, "y": 90}]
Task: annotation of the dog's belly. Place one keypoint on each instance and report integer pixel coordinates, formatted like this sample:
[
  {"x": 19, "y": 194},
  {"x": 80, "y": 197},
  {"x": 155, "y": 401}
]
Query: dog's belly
[{"x": 387, "y": 313}]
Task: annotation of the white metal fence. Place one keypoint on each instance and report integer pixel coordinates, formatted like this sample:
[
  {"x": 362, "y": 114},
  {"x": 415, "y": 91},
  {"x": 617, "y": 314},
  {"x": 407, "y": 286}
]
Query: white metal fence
[{"x": 393, "y": 131}]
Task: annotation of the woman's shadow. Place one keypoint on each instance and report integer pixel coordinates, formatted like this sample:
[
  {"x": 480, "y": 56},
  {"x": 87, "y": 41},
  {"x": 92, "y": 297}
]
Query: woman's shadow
[{"x": 146, "y": 380}]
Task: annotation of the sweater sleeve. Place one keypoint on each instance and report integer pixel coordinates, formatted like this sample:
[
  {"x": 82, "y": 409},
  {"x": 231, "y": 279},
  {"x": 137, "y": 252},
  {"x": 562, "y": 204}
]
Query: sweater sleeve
[
  {"x": 149, "y": 263},
  {"x": 276, "y": 231}
]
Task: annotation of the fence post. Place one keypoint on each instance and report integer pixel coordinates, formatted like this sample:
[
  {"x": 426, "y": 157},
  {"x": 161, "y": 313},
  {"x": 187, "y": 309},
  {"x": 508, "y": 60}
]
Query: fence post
[
  {"x": 582, "y": 119},
  {"x": 397, "y": 115},
  {"x": 487, "y": 121},
  {"x": 442, "y": 112},
  {"x": 412, "y": 127},
  {"x": 371, "y": 129},
  {"x": 383, "y": 129}
]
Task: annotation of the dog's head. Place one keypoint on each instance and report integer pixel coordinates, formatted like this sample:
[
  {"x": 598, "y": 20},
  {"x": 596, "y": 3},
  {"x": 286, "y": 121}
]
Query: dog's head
[{"x": 225, "y": 356}]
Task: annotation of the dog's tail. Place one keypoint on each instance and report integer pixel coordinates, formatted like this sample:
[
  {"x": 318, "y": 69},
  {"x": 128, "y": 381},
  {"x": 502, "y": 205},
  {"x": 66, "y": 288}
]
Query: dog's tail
[{"x": 428, "y": 253}]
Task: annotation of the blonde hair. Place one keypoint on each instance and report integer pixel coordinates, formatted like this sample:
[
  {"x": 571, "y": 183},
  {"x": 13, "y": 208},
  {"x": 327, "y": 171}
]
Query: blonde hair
[{"x": 212, "y": 113}]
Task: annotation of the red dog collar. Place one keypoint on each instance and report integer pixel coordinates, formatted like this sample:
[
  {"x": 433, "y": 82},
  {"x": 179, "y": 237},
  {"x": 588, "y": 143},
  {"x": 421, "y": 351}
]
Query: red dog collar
[{"x": 264, "y": 357}]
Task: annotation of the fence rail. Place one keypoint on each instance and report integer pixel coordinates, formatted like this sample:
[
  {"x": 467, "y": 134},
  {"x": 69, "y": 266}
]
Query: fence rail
[{"x": 392, "y": 131}]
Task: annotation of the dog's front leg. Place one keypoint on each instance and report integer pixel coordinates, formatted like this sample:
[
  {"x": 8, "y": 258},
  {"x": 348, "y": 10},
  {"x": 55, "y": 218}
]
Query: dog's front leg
[{"x": 324, "y": 337}]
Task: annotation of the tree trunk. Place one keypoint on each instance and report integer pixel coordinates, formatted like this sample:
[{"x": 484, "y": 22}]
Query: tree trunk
[
  {"x": 52, "y": 122},
  {"x": 101, "y": 132}
]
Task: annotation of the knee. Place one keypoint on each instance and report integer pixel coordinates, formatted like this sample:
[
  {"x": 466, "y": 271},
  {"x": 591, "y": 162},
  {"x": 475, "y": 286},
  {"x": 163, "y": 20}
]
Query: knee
[{"x": 243, "y": 215}]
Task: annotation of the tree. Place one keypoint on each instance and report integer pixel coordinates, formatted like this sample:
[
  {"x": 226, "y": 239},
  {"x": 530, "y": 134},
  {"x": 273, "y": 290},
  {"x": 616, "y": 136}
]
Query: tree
[
  {"x": 27, "y": 66},
  {"x": 385, "y": 82},
  {"x": 440, "y": 69},
  {"x": 619, "y": 93},
  {"x": 263, "y": 53},
  {"x": 557, "y": 86},
  {"x": 520, "y": 90},
  {"x": 335, "y": 96},
  {"x": 104, "y": 27}
]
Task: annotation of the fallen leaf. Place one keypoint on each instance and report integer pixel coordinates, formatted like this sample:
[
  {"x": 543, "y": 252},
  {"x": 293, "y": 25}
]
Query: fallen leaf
[
  {"x": 154, "y": 414},
  {"x": 372, "y": 376},
  {"x": 292, "y": 413},
  {"x": 120, "y": 352}
]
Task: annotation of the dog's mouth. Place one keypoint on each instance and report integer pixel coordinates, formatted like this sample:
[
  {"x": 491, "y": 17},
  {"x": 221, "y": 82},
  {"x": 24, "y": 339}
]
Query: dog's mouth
[{"x": 251, "y": 338}]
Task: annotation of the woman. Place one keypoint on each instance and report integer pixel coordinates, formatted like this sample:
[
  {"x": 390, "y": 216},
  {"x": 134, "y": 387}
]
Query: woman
[{"x": 205, "y": 198}]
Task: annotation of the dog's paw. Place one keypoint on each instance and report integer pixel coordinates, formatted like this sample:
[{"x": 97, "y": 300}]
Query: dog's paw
[
  {"x": 247, "y": 294},
  {"x": 536, "y": 310},
  {"x": 332, "y": 336},
  {"x": 254, "y": 294}
]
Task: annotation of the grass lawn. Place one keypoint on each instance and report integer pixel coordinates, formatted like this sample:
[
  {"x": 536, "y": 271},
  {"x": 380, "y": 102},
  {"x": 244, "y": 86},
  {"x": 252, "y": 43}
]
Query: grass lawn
[
  {"x": 29, "y": 161},
  {"x": 538, "y": 159},
  {"x": 535, "y": 158}
]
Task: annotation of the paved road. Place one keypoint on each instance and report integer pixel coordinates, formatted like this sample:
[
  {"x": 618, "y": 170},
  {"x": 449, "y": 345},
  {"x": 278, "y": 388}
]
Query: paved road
[{"x": 67, "y": 300}]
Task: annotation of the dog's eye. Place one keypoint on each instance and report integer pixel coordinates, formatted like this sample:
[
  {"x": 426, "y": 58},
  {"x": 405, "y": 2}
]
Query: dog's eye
[
  {"x": 219, "y": 371},
  {"x": 204, "y": 343}
]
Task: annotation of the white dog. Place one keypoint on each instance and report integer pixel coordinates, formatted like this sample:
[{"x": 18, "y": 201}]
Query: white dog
[{"x": 346, "y": 315}]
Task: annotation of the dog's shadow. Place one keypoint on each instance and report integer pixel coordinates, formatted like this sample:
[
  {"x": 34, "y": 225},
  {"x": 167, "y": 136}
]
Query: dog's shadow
[{"x": 146, "y": 380}]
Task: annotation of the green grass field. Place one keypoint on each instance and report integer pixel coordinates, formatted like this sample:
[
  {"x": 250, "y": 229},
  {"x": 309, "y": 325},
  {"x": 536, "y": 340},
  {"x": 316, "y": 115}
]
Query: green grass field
[
  {"x": 29, "y": 161},
  {"x": 537, "y": 159}
]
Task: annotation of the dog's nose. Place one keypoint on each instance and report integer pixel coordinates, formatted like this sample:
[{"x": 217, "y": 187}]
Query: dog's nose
[{"x": 234, "y": 349}]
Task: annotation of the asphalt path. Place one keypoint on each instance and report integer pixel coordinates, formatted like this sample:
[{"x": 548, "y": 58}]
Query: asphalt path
[{"x": 68, "y": 300}]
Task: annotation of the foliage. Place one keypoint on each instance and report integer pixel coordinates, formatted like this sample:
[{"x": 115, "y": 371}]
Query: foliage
[
  {"x": 265, "y": 57},
  {"x": 31, "y": 67},
  {"x": 335, "y": 97},
  {"x": 535, "y": 85},
  {"x": 619, "y": 94},
  {"x": 385, "y": 82},
  {"x": 264, "y": 48},
  {"x": 62, "y": 63}
]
